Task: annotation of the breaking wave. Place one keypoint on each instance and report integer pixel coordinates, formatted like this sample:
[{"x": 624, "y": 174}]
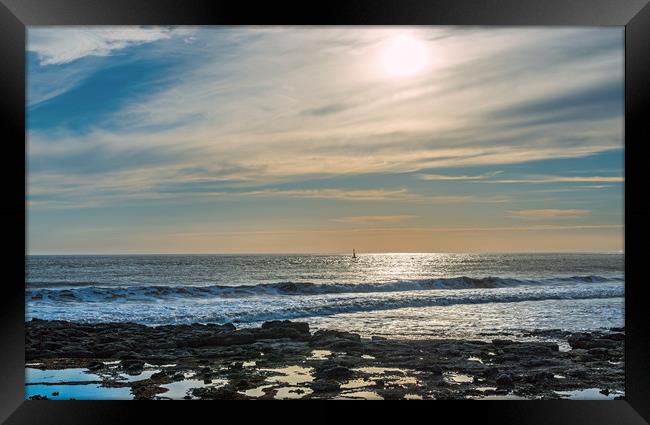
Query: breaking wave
[{"x": 158, "y": 292}]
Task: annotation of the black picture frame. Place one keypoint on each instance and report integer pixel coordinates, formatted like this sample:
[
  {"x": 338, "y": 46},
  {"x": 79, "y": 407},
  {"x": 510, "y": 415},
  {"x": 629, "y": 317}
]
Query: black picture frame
[{"x": 16, "y": 15}]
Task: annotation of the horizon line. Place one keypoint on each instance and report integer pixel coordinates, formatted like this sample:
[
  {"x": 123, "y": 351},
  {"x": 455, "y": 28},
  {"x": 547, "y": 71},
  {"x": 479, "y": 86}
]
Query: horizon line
[{"x": 321, "y": 253}]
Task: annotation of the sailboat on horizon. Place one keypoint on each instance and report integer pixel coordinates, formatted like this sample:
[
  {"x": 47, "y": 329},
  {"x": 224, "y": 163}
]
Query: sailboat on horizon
[{"x": 354, "y": 253}]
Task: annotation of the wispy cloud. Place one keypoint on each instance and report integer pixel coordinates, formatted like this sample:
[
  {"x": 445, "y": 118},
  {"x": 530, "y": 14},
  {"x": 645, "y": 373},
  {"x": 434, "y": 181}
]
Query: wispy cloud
[
  {"x": 373, "y": 219},
  {"x": 335, "y": 194},
  {"x": 56, "y": 46},
  {"x": 573, "y": 189},
  {"x": 430, "y": 177},
  {"x": 401, "y": 230},
  {"x": 562, "y": 179},
  {"x": 549, "y": 214},
  {"x": 138, "y": 189},
  {"x": 404, "y": 195}
]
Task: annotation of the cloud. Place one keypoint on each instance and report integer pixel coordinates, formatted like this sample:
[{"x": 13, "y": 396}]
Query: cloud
[
  {"x": 561, "y": 179},
  {"x": 326, "y": 110},
  {"x": 403, "y": 195},
  {"x": 336, "y": 194},
  {"x": 573, "y": 189},
  {"x": 597, "y": 101},
  {"x": 430, "y": 177},
  {"x": 259, "y": 107},
  {"x": 373, "y": 219},
  {"x": 402, "y": 230},
  {"x": 59, "y": 193},
  {"x": 550, "y": 214},
  {"x": 56, "y": 46}
]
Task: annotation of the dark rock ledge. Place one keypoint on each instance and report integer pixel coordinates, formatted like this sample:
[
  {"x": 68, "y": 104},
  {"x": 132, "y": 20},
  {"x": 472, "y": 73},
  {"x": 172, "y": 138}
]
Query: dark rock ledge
[{"x": 283, "y": 359}]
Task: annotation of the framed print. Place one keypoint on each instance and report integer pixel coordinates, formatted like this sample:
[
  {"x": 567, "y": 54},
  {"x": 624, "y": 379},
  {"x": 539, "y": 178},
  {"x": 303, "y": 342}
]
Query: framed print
[{"x": 370, "y": 201}]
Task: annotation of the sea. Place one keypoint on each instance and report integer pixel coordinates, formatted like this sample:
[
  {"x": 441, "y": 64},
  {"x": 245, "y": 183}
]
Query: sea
[{"x": 404, "y": 295}]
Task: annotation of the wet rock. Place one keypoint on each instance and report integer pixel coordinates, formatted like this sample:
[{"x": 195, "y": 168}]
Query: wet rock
[
  {"x": 604, "y": 343},
  {"x": 236, "y": 338},
  {"x": 227, "y": 392},
  {"x": 490, "y": 372},
  {"x": 346, "y": 345},
  {"x": 504, "y": 380},
  {"x": 617, "y": 336},
  {"x": 579, "y": 340},
  {"x": 502, "y": 342},
  {"x": 542, "y": 376},
  {"x": 94, "y": 366},
  {"x": 434, "y": 369},
  {"x": 227, "y": 327},
  {"x": 132, "y": 366},
  {"x": 143, "y": 391},
  {"x": 77, "y": 354},
  {"x": 577, "y": 373},
  {"x": 126, "y": 355},
  {"x": 39, "y": 397},
  {"x": 328, "y": 370},
  {"x": 300, "y": 327},
  {"x": 105, "y": 339},
  {"x": 540, "y": 362},
  {"x": 326, "y": 336},
  {"x": 279, "y": 332},
  {"x": 587, "y": 341},
  {"x": 392, "y": 394},
  {"x": 160, "y": 375},
  {"x": 325, "y": 386},
  {"x": 599, "y": 352},
  {"x": 52, "y": 345}
]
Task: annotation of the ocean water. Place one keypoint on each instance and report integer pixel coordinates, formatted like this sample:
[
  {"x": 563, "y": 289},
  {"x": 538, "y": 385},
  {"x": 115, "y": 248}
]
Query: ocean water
[{"x": 398, "y": 295}]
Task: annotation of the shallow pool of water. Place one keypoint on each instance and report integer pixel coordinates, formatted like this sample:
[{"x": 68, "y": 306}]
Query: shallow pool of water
[
  {"x": 360, "y": 395},
  {"x": 179, "y": 390},
  {"x": 380, "y": 370},
  {"x": 257, "y": 391},
  {"x": 458, "y": 378},
  {"x": 500, "y": 397},
  {"x": 59, "y": 375},
  {"x": 78, "y": 392},
  {"x": 484, "y": 389},
  {"x": 589, "y": 394},
  {"x": 292, "y": 393},
  {"x": 358, "y": 383},
  {"x": 412, "y": 397},
  {"x": 146, "y": 374},
  {"x": 291, "y": 375},
  {"x": 319, "y": 354}
]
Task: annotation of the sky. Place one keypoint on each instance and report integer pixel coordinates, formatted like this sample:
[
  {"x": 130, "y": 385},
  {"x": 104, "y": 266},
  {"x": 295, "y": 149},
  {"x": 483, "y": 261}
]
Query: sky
[{"x": 324, "y": 139}]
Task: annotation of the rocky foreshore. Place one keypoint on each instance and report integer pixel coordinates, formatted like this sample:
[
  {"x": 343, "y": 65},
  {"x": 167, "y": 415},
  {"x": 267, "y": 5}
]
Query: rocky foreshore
[{"x": 283, "y": 359}]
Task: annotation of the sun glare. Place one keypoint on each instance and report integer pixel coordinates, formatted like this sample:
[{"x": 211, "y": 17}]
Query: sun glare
[{"x": 404, "y": 56}]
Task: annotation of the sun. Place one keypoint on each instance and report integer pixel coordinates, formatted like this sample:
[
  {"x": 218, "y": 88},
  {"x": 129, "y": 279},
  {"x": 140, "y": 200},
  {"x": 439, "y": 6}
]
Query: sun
[{"x": 404, "y": 56}]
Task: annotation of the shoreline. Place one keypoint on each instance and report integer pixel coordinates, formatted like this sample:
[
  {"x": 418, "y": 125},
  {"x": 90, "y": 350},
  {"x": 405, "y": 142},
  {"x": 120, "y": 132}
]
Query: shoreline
[{"x": 285, "y": 360}]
